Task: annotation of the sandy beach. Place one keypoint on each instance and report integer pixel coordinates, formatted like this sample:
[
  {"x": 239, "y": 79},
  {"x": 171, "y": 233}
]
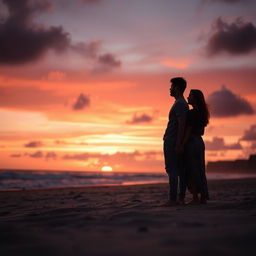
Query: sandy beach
[{"x": 127, "y": 220}]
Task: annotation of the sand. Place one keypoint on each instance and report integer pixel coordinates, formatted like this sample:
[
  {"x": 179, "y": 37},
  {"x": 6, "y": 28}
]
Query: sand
[{"x": 127, "y": 220}]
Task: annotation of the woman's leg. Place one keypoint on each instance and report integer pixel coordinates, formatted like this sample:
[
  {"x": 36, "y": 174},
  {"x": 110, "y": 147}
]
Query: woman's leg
[
  {"x": 203, "y": 199},
  {"x": 195, "y": 199}
]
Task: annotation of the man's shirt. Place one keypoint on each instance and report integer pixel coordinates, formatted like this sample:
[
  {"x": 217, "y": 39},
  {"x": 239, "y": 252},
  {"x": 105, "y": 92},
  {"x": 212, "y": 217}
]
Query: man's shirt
[{"x": 179, "y": 108}]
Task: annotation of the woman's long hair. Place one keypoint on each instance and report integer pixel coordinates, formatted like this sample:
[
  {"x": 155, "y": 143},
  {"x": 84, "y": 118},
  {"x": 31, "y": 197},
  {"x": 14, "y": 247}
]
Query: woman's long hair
[{"x": 201, "y": 106}]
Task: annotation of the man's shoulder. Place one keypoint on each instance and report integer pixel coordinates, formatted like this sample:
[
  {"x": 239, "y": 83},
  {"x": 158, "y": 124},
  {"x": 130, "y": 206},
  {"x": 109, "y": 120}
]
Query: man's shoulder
[{"x": 180, "y": 102}]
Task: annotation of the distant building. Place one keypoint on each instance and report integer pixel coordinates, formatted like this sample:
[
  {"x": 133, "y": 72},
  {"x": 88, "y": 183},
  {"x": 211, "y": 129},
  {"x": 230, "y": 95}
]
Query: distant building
[{"x": 239, "y": 165}]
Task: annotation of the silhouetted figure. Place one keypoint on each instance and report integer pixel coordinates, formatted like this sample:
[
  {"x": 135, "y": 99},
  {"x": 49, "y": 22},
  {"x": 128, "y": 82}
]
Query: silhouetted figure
[
  {"x": 173, "y": 138},
  {"x": 197, "y": 119}
]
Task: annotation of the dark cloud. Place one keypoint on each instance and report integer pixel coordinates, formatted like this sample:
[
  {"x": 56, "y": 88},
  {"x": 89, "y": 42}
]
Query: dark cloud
[
  {"x": 109, "y": 60},
  {"x": 143, "y": 118},
  {"x": 224, "y": 103},
  {"x": 81, "y": 102},
  {"x": 250, "y": 134},
  {"x": 33, "y": 144},
  {"x": 23, "y": 41},
  {"x": 218, "y": 143},
  {"x": 235, "y": 38}
]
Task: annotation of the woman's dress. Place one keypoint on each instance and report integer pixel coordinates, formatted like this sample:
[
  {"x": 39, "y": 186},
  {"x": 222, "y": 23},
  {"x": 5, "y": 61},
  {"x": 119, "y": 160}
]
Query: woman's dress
[{"x": 195, "y": 156}]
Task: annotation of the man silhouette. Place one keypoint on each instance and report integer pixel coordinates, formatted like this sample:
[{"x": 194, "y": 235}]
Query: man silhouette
[{"x": 173, "y": 137}]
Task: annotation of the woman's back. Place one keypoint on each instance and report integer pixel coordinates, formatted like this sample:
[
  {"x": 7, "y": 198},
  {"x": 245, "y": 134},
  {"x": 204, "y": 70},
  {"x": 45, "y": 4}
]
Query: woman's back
[{"x": 195, "y": 121}]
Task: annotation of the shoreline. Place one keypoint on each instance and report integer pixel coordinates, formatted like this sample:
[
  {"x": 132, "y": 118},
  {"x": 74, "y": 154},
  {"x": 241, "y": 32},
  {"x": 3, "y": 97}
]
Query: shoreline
[
  {"x": 115, "y": 185},
  {"x": 80, "y": 186}
]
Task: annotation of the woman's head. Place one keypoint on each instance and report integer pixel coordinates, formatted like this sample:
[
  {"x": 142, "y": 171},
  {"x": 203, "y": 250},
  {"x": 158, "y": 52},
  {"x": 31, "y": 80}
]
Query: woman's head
[{"x": 196, "y": 99}]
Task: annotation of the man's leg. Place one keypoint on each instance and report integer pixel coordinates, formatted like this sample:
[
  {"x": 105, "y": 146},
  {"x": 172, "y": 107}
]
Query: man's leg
[
  {"x": 182, "y": 179},
  {"x": 173, "y": 182},
  {"x": 171, "y": 169}
]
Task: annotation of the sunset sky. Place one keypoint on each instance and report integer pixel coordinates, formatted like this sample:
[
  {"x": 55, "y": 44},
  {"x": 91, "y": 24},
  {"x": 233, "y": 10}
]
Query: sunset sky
[{"x": 85, "y": 83}]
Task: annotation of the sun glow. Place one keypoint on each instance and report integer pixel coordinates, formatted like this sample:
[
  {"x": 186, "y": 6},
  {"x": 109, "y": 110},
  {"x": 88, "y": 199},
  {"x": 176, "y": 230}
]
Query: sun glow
[{"x": 106, "y": 169}]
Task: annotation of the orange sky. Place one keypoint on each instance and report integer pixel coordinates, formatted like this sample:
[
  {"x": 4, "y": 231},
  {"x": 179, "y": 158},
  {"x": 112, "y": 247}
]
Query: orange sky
[{"x": 95, "y": 91}]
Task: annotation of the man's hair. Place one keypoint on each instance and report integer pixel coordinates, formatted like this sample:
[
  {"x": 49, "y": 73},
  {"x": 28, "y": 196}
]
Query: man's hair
[{"x": 180, "y": 82}]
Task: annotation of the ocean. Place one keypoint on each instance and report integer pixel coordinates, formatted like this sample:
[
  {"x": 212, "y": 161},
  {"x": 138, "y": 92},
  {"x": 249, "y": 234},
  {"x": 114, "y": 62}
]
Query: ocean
[{"x": 23, "y": 179}]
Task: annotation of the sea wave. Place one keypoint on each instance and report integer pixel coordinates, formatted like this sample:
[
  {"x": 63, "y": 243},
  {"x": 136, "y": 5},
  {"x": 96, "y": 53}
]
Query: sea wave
[
  {"x": 22, "y": 179},
  {"x": 45, "y": 179}
]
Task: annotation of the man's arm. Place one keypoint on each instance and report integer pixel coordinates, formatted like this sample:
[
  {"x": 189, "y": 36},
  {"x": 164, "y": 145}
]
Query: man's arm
[
  {"x": 187, "y": 134},
  {"x": 180, "y": 134}
]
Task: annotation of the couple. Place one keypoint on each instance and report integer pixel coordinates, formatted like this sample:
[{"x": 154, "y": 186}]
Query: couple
[{"x": 184, "y": 146}]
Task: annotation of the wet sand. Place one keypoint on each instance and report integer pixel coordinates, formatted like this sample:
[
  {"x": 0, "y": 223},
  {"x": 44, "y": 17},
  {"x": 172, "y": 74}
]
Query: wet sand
[{"x": 127, "y": 220}]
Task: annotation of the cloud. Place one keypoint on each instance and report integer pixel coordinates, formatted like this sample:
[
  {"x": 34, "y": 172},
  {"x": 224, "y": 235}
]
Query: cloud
[
  {"x": 51, "y": 154},
  {"x": 37, "y": 154},
  {"x": 15, "y": 155},
  {"x": 63, "y": 142},
  {"x": 238, "y": 37},
  {"x": 224, "y": 103},
  {"x": 81, "y": 157},
  {"x": 113, "y": 158},
  {"x": 33, "y": 144},
  {"x": 81, "y": 102},
  {"x": 253, "y": 146},
  {"x": 109, "y": 60},
  {"x": 23, "y": 41},
  {"x": 142, "y": 118},
  {"x": 218, "y": 143},
  {"x": 90, "y": 49},
  {"x": 104, "y": 61},
  {"x": 127, "y": 161},
  {"x": 250, "y": 134}
]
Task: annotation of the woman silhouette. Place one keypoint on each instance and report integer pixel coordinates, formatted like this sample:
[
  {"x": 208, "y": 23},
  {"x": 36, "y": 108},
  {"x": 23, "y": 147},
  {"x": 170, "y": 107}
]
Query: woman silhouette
[{"x": 197, "y": 120}]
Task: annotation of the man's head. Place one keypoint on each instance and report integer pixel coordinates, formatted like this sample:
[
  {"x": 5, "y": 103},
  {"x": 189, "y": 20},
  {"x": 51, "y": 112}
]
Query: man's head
[{"x": 178, "y": 86}]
